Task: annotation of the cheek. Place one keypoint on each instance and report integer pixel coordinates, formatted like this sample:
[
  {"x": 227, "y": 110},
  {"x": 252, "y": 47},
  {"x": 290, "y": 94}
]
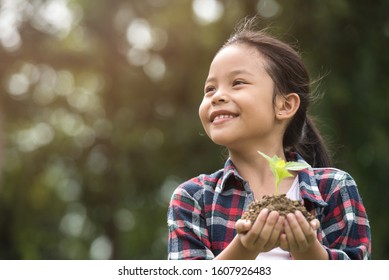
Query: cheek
[{"x": 203, "y": 112}]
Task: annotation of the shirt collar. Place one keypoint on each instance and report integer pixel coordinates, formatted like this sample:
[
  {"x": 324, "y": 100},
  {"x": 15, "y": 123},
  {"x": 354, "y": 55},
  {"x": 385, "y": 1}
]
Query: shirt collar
[
  {"x": 308, "y": 186},
  {"x": 230, "y": 171}
]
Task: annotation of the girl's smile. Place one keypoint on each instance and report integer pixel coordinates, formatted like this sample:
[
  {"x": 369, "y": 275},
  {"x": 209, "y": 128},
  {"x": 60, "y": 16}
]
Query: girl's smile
[{"x": 221, "y": 116}]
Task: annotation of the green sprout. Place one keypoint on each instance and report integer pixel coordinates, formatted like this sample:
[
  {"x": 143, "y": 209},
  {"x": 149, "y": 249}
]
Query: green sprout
[{"x": 280, "y": 168}]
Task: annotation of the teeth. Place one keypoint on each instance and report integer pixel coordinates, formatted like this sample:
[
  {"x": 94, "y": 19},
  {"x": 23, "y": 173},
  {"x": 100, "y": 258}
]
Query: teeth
[{"x": 223, "y": 117}]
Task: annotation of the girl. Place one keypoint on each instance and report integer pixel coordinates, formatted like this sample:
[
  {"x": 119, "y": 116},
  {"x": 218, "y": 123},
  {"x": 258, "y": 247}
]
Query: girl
[{"x": 256, "y": 98}]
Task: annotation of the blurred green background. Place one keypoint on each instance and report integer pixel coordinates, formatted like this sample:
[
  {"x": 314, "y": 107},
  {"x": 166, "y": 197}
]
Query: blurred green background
[{"x": 99, "y": 104}]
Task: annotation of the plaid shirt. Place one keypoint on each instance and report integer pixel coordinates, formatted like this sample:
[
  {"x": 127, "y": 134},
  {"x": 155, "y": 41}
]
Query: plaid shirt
[{"x": 203, "y": 211}]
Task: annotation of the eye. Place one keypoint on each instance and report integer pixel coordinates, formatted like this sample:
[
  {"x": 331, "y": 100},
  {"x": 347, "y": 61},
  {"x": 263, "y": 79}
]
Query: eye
[
  {"x": 209, "y": 89},
  {"x": 238, "y": 82}
]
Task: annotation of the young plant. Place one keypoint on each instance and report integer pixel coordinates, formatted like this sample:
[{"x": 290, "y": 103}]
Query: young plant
[{"x": 280, "y": 168}]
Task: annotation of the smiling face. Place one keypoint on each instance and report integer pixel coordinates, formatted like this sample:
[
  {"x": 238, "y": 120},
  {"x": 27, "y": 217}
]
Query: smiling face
[{"x": 237, "y": 109}]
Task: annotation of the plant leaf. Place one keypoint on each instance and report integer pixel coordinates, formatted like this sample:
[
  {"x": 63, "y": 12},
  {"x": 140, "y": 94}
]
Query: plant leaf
[
  {"x": 269, "y": 159},
  {"x": 280, "y": 174},
  {"x": 280, "y": 168},
  {"x": 296, "y": 166}
]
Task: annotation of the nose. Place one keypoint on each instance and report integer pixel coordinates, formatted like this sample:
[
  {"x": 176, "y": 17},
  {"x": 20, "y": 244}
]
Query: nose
[{"x": 219, "y": 98}]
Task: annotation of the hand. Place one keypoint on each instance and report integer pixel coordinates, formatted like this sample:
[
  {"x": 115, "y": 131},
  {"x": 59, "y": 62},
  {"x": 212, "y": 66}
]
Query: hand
[
  {"x": 264, "y": 234},
  {"x": 299, "y": 235}
]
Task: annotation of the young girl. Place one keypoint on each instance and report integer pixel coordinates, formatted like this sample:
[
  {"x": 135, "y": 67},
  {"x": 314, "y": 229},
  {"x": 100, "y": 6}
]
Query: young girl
[{"x": 256, "y": 98}]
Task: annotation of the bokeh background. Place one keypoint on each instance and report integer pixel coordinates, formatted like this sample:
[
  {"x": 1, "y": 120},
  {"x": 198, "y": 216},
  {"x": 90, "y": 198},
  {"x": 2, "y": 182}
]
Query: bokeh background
[{"x": 99, "y": 124}]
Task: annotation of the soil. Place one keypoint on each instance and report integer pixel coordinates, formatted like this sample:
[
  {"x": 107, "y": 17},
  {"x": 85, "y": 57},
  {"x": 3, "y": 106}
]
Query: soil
[{"x": 279, "y": 203}]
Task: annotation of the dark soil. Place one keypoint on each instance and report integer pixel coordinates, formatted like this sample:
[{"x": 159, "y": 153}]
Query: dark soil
[{"x": 279, "y": 203}]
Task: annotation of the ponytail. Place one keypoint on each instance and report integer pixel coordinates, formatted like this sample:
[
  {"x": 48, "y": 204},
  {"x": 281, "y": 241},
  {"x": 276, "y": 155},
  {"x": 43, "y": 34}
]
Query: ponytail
[{"x": 310, "y": 144}]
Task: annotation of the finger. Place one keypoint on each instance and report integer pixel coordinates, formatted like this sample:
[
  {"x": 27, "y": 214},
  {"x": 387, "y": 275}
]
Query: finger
[
  {"x": 304, "y": 225},
  {"x": 298, "y": 233},
  {"x": 315, "y": 224},
  {"x": 292, "y": 245},
  {"x": 242, "y": 226},
  {"x": 265, "y": 238},
  {"x": 260, "y": 222},
  {"x": 278, "y": 228},
  {"x": 284, "y": 245},
  {"x": 251, "y": 236},
  {"x": 308, "y": 230}
]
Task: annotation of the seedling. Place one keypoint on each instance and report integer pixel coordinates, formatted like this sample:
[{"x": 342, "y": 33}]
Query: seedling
[
  {"x": 276, "y": 202},
  {"x": 280, "y": 168}
]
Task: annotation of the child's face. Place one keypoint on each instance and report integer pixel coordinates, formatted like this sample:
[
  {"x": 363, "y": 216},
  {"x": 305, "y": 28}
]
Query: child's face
[{"x": 237, "y": 109}]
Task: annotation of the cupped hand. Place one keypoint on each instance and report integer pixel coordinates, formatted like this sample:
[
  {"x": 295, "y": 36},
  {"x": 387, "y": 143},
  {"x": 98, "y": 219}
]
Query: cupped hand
[
  {"x": 264, "y": 234},
  {"x": 299, "y": 234}
]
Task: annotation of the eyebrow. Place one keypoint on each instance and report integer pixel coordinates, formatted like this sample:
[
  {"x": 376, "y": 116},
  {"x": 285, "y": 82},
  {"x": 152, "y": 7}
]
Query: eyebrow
[{"x": 232, "y": 73}]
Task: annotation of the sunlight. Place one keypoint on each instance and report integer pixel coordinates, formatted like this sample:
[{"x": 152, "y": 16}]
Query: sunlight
[
  {"x": 207, "y": 11},
  {"x": 138, "y": 57},
  {"x": 139, "y": 34},
  {"x": 101, "y": 248},
  {"x": 268, "y": 8},
  {"x": 35, "y": 137},
  {"x": 155, "y": 69},
  {"x": 18, "y": 85},
  {"x": 73, "y": 222},
  {"x": 125, "y": 220},
  {"x": 11, "y": 16},
  {"x": 54, "y": 17}
]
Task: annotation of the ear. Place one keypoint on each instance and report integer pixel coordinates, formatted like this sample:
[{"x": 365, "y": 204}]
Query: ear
[{"x": 286, "y": 105}]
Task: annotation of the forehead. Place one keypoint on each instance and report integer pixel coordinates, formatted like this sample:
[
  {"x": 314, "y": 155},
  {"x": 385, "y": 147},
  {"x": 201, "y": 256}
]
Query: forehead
[{"x": 238, "y": 56}]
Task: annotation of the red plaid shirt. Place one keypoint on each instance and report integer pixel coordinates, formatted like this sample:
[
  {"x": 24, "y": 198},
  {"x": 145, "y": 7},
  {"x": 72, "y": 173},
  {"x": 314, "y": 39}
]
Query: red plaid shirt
[{"x": 203, "y": 211}]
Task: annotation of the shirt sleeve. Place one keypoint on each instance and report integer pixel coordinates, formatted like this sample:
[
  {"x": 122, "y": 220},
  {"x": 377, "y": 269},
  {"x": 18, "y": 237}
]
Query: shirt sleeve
[
  {"x": 345, "y": 224},
  {"x": 188, "y": 234}
]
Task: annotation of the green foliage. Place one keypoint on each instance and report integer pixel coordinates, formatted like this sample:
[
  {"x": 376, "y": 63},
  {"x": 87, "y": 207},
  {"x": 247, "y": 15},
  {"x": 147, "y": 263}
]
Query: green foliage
[
  {"x": 280, "y": 168},
  {"x": 99, "y": 102}
]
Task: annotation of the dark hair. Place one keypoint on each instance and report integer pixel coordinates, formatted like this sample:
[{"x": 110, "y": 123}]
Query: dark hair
[{"x": 289, "y": 74}]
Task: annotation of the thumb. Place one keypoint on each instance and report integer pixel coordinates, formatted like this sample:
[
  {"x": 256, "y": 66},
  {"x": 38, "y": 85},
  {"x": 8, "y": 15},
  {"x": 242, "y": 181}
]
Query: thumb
[
  {"x": 315, "y": 224},
  {"x": 242, "y": 226}
]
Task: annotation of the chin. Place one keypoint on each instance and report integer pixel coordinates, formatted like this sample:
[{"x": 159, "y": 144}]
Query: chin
[{"x": 222, "y": 141}]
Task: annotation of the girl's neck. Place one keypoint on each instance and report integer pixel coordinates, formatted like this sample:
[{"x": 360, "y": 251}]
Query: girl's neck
[
  {"x": 255, "y": 169},
  {"x": 253, "y": 159}
]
